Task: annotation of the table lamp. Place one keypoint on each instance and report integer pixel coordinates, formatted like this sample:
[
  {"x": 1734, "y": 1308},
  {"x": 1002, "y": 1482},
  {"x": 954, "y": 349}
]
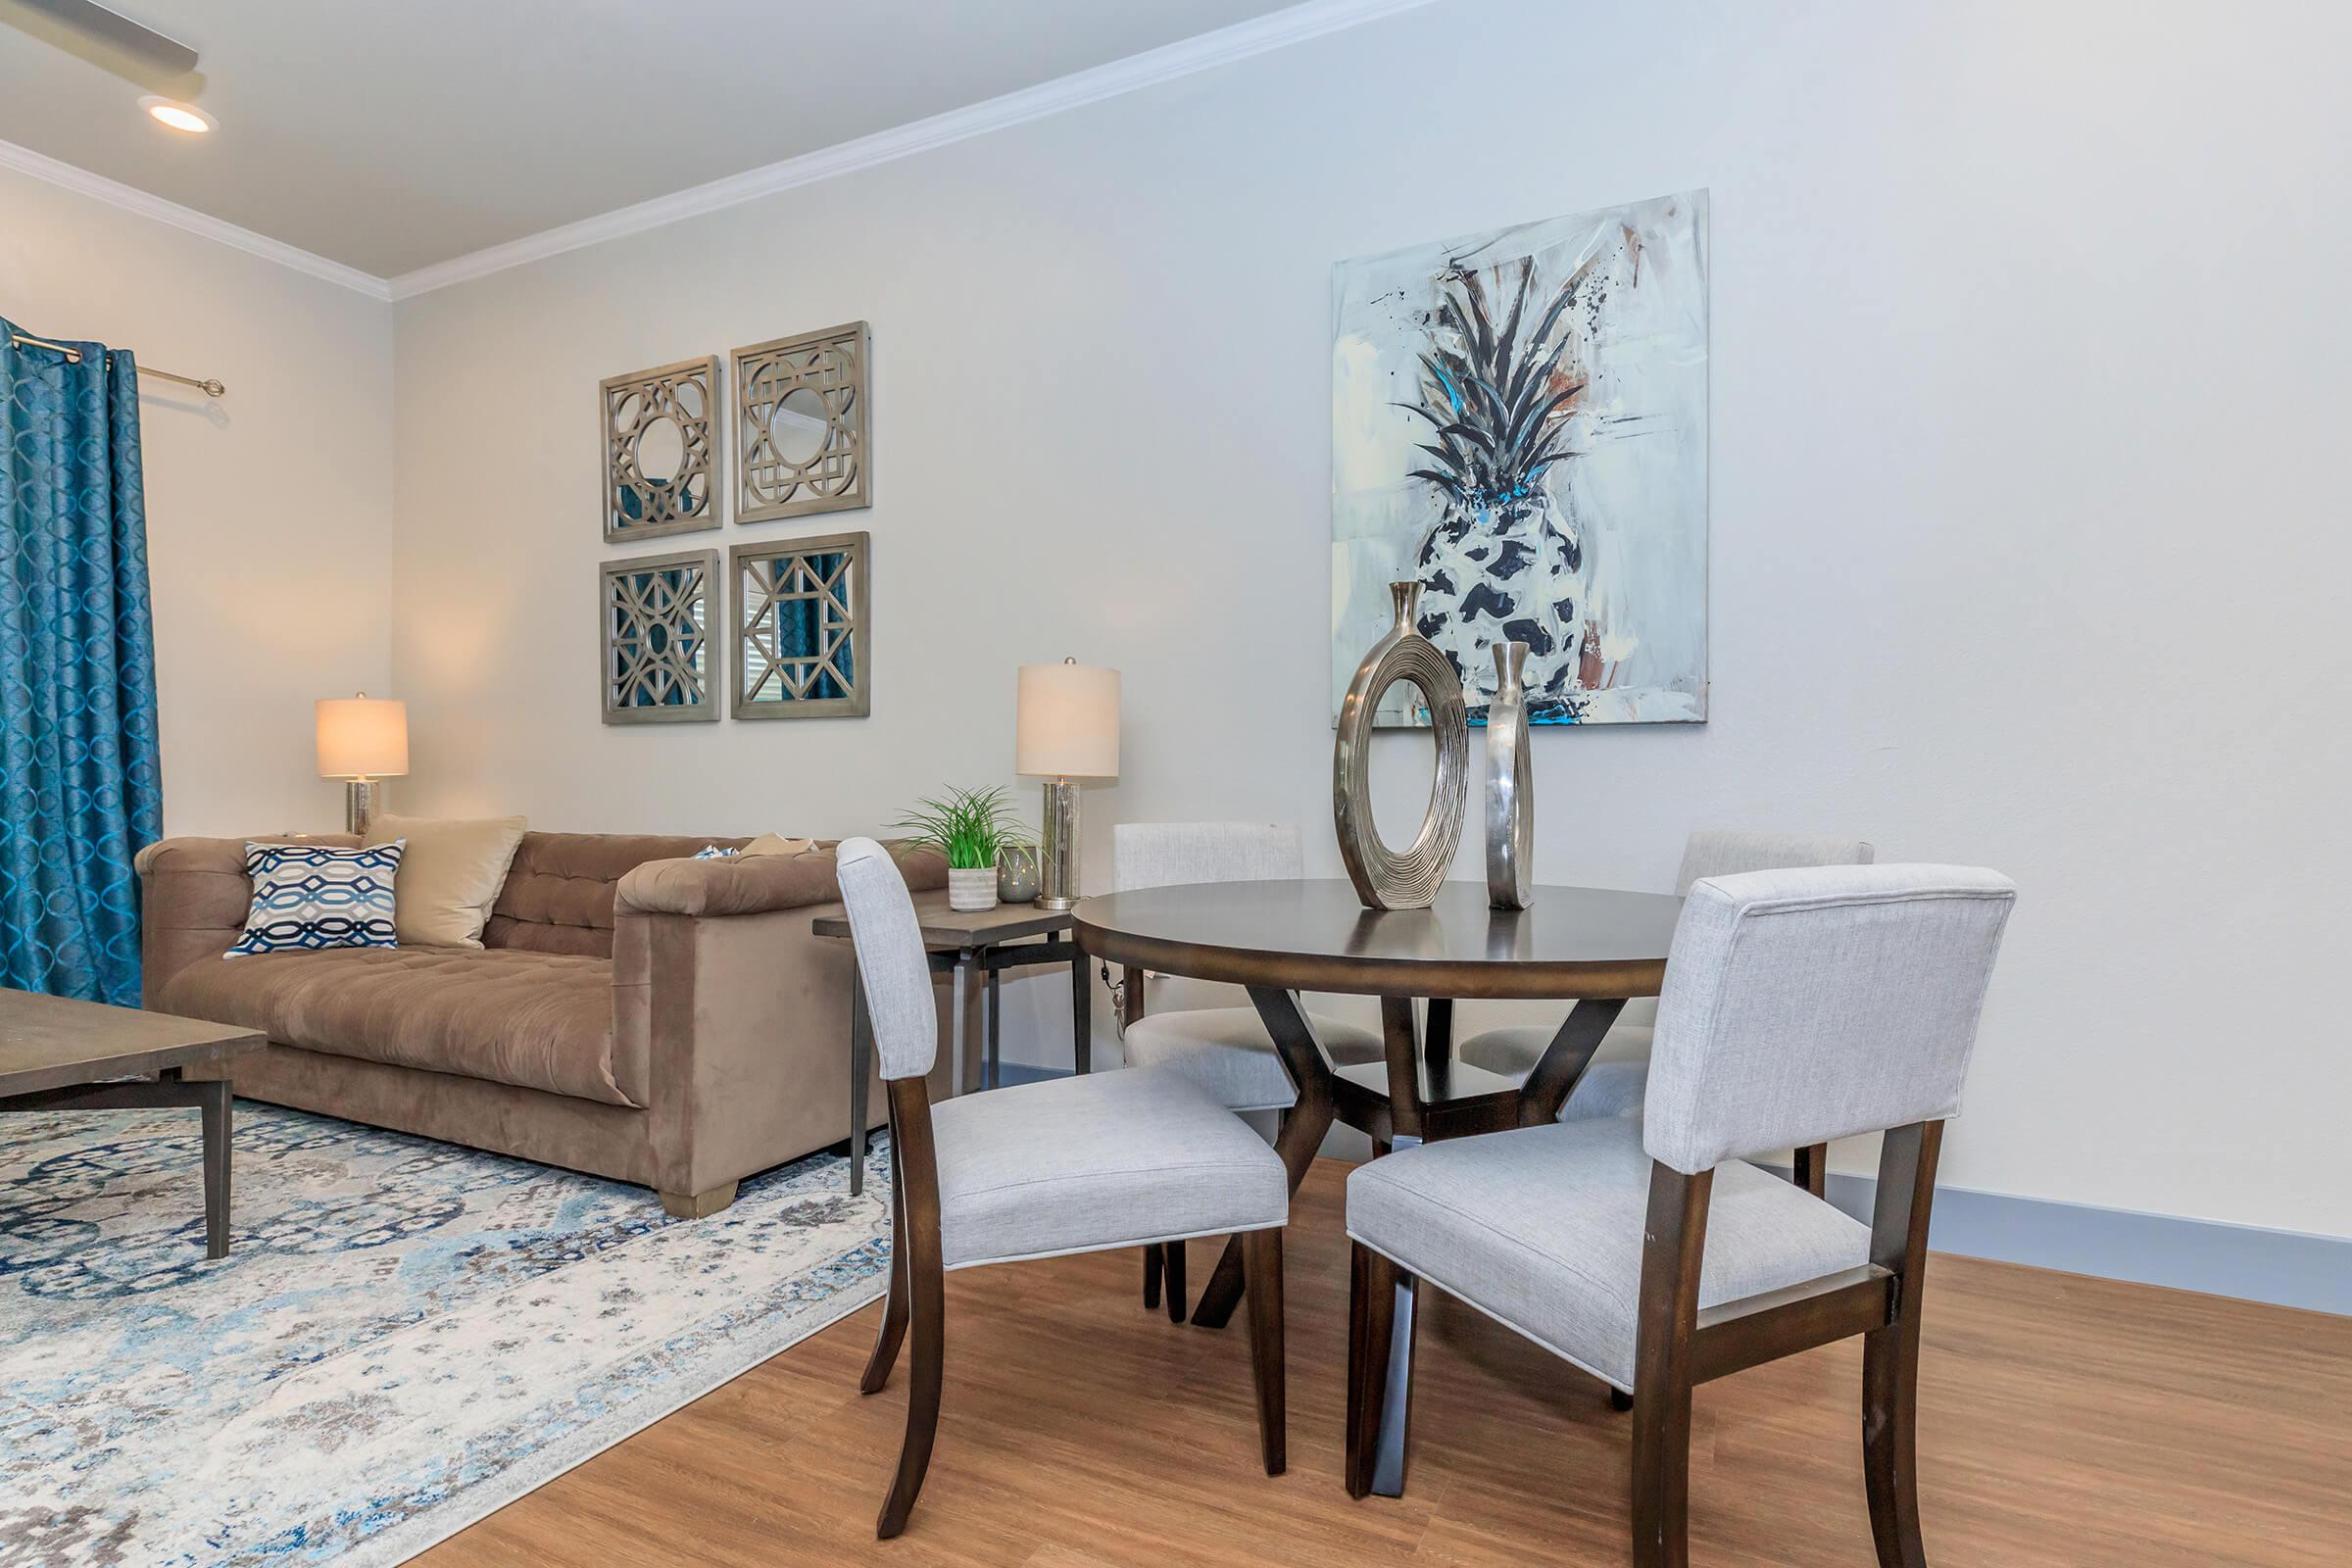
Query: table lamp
[
  {"x": 1067, "y": 728},
  {"x": 361, "y": 739}
]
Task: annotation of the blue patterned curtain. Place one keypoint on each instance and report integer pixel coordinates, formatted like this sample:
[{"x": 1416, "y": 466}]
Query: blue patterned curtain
[{"x": 80, "y": 784}]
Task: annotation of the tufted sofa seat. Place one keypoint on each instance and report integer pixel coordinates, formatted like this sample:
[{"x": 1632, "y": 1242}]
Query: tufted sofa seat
[
  {"x": 633, "y": 1013},
  {"x": 536, "y": 1020}
]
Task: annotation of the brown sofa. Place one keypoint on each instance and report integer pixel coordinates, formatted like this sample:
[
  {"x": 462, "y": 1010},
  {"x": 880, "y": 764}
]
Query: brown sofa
[{"x": 633, "y": 1013}]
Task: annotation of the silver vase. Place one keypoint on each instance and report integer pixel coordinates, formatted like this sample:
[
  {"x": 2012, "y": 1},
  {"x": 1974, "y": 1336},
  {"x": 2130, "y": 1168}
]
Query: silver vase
[
  {"x": 1386, "y": 878},
  {"x": 1510, "y": 784}
]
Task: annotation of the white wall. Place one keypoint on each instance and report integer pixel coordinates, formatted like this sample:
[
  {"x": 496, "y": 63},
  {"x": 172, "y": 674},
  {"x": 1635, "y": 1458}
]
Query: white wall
[
  {"x": 269, "y": 513},
  {"x": 2028, "y": 515}
]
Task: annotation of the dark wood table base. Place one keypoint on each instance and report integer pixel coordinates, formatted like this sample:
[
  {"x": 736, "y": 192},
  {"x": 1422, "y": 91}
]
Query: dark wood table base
[
  {"x": 212, "y": 1096},
  {"x": 1592, "y": 948},
  {"x": 1417, "y": 1094}
]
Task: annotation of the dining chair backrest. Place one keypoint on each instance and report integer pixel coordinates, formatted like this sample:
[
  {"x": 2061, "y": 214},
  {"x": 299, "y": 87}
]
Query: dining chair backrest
[
  {"x": 892, "y": 963},
  {"x": 1803, "y": 1006},
  {"x": 1162, "y": 855},
  {"x": 1726, "y": 851}
]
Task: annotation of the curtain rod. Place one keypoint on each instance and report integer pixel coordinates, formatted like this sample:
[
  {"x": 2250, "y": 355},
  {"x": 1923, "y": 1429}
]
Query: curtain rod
[{"x": 210, "y": 388}]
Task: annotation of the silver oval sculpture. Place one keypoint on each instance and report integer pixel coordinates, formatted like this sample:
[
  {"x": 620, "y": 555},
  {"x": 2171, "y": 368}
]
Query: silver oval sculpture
[
  {"x": 1383, "y": 878},
  {"x": 1510, "y": 784}
]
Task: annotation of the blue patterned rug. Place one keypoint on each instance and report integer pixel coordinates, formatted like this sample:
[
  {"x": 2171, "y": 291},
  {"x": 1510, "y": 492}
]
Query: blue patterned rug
[{"x": 404, "y": 1336}]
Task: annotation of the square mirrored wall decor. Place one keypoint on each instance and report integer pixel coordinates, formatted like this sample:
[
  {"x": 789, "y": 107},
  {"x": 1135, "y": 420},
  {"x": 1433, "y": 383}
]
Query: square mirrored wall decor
[
  {"x": 662, "y": 450},
  {"x": 802, "y": 442},
  {"x": 657, "y": 613},
  {"x": 801, "y": 634}
]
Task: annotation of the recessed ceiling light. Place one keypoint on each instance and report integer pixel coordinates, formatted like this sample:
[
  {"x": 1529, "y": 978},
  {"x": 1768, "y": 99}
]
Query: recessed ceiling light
[{"x": 178, "y": 116}]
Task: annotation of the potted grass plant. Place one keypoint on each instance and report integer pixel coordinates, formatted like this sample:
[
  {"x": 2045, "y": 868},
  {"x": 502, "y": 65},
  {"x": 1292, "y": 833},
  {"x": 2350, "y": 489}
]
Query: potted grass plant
[{"x": 970, "y": 827}]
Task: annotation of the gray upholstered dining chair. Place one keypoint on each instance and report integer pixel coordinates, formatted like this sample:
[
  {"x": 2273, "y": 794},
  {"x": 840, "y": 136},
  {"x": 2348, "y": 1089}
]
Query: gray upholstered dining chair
[
  {"x": 1613, "y": 1087},
  {"x": 1083, "y": 1164},
  {"x": 1226, "y": 1051},
  {"x": 1800, "y": 1005}
]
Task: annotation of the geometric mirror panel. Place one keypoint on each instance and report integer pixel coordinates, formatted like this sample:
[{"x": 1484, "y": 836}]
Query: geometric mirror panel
[
  {"x": 662, "y": 451},
  {"x": 801, "y": 641},
  {"x": 802, "y": 441},
  {"x": 657, "y": 612}
]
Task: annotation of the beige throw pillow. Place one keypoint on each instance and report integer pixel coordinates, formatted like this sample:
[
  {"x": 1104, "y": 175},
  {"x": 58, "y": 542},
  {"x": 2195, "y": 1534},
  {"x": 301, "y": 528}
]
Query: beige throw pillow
[
  {"x": 450, "y": 875},
  {"x": 777, "y": 844}
]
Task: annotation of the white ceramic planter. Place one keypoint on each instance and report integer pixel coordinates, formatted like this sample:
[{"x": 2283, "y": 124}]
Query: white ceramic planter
[{"x": 971, "y": 891}]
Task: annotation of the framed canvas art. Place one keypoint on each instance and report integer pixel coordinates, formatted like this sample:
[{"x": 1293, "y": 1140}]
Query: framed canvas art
[{"x": 1519, "y": 423}]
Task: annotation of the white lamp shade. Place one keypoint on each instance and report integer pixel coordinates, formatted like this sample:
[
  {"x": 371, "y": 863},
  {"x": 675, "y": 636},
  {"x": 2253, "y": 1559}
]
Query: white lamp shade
[
  {"x": 1067, "y": 723},
  {"x": 362, "y": 737}
]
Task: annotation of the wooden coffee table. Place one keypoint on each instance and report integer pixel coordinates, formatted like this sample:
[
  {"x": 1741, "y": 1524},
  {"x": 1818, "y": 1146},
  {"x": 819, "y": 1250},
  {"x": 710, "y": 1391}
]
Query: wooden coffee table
[{"x": 59, "y": 1055}]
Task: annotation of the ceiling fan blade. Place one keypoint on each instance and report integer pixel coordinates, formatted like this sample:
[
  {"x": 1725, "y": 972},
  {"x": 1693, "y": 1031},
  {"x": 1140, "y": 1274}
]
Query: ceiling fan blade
[{"x": 94, "y": 20}]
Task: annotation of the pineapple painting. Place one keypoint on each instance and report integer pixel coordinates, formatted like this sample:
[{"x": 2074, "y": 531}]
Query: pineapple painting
[
  {"x": 1503, "y": 561},
  {"x": 1519, "y": 423}
]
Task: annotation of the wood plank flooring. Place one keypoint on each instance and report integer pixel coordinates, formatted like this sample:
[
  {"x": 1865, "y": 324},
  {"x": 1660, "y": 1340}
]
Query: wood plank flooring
[{"x": 2066, "y": 1421}]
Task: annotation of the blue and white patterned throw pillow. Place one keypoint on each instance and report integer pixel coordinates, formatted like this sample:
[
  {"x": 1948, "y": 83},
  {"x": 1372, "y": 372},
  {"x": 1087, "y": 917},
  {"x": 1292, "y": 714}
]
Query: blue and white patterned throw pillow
[
  {"x": 306, "y": 897},
  {"x": 711, "y": 852}
]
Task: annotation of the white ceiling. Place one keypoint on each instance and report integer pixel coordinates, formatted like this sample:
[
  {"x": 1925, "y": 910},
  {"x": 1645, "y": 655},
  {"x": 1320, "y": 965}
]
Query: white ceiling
[{"x": 392, "y": 134}]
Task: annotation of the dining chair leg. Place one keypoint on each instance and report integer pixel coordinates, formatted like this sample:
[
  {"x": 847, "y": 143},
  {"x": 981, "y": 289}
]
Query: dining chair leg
[
  {"x": 1173, "y": 1269},
  {"x": 1889, "y": 1454},
  {"x": 1262, "y": 1262},
  {"x": 894, "y": 1305},
  {"x": 1153, "y": 1262},
  {"x": 1371, "y": 1319},
  {"x": 1661, "y": 1475},
  {"x": 1675, "y": 1240},
  {"x": 927, "y": 1300},
  {"x": 1813, "y": 1169},
  {"x": 1905, "y": 1195}
]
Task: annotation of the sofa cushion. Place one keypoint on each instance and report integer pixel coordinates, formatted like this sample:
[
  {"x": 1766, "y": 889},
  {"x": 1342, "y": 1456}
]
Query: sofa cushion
[
  {"x": 558, "y": 896},
  {"x": 450, "y": 875},
  {"x": 308, "y": 897},
  {"x": 536, "y": 1020},
  {"x": 778, "y": 844}
]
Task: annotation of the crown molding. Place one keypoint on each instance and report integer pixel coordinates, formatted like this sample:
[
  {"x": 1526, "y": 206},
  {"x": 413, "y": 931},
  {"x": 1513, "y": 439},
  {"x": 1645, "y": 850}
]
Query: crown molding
[
  {"x": 24, "y": 161},
  {"x": 1260, "y": 35}
]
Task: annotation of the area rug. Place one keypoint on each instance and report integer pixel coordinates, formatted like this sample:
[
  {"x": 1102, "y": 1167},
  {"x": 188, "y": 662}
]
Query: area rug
[{"x": 404, "y": 1336}]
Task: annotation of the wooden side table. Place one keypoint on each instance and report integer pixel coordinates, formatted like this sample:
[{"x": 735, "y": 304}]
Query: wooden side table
[{"x": 1010, "y": 936}]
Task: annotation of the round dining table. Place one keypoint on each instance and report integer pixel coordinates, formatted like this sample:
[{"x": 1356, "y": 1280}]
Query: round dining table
[{"x": 1592, "y": 948}]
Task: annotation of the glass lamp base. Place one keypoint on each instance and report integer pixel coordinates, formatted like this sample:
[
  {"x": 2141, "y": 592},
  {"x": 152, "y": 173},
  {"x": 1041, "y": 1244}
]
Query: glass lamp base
[
  {"x": 1058, "y": 884},
  {"x": 359, "y": 801}
]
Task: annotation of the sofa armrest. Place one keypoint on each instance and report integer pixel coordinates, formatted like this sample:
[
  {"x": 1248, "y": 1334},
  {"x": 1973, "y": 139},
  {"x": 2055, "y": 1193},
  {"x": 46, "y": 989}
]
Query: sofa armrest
[
  {"x": 193, "y": 900},
  {"x": 752, "y": 884},
  {"x": 736, "y": 1011}
]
